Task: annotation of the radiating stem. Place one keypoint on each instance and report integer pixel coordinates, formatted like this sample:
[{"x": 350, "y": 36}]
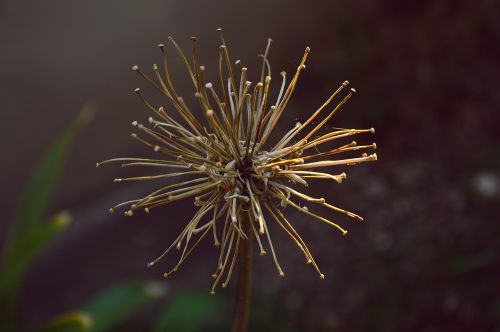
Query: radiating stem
[{"x": 244, "y": 282}]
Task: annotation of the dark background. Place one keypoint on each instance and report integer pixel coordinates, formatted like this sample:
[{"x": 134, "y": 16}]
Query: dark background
[{"x": 427, "y": 75}]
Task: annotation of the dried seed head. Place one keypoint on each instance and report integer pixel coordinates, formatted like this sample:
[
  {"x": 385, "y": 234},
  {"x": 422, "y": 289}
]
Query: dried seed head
[{"x": 225, "y": 162}]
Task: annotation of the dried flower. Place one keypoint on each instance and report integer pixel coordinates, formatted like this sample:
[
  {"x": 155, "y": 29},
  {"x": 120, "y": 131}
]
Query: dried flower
[{"x": 230, "y": 169}]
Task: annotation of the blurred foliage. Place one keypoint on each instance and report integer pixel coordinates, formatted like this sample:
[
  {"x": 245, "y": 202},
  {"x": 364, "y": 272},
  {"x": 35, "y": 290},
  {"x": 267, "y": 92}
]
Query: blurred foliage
[
  {"x": 269, "y": 314},
  {"x": 186, "y": 313},
  {"x": 20, "y": 255},
  {"x": 105, "y": 312},
  {"x": 31, "y": 232},
  {"x": 74, "y": 321},
  {"x": 107, "y": 309}
]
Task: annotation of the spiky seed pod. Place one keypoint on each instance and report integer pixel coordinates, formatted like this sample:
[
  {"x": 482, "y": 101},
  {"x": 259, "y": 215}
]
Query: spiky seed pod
[{"x": 225, "y": 163}]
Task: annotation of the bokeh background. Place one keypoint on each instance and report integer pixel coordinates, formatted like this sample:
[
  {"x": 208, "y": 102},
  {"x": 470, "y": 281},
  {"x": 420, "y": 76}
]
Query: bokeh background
[{"x": 427, "y": 75}]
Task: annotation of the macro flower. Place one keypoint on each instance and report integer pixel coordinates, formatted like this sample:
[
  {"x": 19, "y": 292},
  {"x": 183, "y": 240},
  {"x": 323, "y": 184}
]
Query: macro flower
[{"x": 222, "y": 157}]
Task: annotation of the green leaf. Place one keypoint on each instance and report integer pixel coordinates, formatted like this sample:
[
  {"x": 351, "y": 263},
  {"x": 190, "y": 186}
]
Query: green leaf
[
  {"x": 26, "y": 248},
  {"x": 38, "y": 192},
  {"x": 28, "y": 235},
  {"x": 113, "y": 305},
  {"x": 107, "y": 309},
  {"x": 69, "y": 322},
  {"x": 186, "y": 313}
]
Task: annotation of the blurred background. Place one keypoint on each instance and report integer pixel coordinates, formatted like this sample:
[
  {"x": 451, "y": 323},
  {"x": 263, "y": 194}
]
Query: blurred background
[{"x": 426, "y": 72}]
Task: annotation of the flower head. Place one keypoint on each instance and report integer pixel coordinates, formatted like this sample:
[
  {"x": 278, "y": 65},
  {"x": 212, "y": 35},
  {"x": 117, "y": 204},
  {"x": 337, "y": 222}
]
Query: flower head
[{"x": 222, "y": 157}]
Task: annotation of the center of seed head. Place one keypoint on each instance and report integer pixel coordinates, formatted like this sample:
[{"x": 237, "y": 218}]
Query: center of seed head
[{"x": 245, "y": 168}]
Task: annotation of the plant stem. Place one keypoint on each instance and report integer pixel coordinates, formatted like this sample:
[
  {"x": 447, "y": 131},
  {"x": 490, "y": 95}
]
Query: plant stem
[{"x": 244, "y": 282}]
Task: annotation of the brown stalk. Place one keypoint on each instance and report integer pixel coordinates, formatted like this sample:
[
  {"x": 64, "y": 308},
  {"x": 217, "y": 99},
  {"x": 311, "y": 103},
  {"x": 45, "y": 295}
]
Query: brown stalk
[{"x": 244, "y": 281}]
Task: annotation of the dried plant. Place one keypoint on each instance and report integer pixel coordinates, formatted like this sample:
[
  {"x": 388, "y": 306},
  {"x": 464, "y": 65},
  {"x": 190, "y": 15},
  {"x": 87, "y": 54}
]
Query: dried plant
[{"x": 227, "y": 165}]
